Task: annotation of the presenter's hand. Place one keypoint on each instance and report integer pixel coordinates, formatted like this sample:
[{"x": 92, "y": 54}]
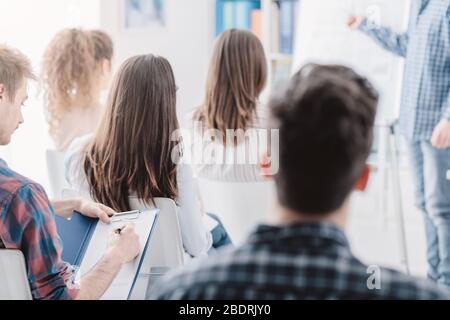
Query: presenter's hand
[
  {"x": 95, "y": 210},
  {"x": 441, "y": 135},
  {"x": 124, "y": 244},
  {"x": 353, "y": 22}
]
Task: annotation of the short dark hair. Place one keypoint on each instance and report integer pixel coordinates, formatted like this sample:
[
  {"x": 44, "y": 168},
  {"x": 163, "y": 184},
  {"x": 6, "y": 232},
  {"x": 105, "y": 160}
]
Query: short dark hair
[{"x": 326, "y": 116}]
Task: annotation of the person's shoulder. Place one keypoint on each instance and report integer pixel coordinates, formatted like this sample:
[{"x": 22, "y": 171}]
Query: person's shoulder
[
  {"x": 23, "y": 198},
  {"x": 73, "y": 164},
  {"x": 397, "y": 285},
  {"x": 232, "y": 268},
  {"x": 11, "y": 182},
  {"x": 77, "y": 145},
  {"x": 184, "y": 172},
  {"x": 74, "y": 153},
  {"x": 390, "y": 284},
  {"x": 197, "y": 274}
]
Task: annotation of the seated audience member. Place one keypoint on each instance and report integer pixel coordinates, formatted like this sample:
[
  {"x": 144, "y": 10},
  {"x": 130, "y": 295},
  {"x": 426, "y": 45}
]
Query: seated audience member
[
  {"x": 27, "y": 217},
  {"x": 76, "y": 69},
  {"x": 237, "y": 75},
  {"x": 326, "y": 119},
  {"x": 131, "y": 154}
]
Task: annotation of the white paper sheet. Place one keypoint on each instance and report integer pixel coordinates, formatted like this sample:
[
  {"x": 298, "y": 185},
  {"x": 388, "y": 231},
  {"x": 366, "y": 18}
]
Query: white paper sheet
[{"x": 122, "y": 284}]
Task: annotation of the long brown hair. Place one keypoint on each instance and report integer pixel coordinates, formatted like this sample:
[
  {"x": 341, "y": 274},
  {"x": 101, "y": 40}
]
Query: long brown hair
[
  {"x": 131, "y": 150},
  {"x": 71, "y": 71},
  {"x": 236, "y": 77}
]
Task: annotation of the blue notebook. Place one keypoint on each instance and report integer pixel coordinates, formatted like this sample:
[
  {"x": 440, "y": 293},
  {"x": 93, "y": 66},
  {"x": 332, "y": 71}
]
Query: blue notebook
[{"x": 75, "y": 235}]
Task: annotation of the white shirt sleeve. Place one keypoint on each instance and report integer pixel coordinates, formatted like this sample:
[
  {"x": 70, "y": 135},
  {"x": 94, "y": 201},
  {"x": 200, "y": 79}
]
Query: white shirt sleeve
[
  {"x": 73, "y": 167},
  {"x": 197, "y": 239}
]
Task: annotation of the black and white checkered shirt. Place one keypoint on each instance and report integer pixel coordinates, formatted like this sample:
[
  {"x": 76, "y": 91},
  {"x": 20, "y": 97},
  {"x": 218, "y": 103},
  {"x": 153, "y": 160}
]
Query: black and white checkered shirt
[{"x": 303, "y": 261}]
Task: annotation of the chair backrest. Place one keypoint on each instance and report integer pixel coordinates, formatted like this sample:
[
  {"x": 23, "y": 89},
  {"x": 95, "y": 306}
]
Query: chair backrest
[
  {"x": 55, "y": 169},
  {"x": 165, "y": 249},
  {"x": 240, "y": 205},
  {"x": 13, "y": 276}
]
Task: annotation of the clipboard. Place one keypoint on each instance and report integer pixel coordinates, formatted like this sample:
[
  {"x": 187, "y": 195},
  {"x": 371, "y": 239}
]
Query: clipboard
[
  {"x": 85, "y": 241},
  {"x": 126, "y": 216},
  {"x": 75, "y": 233}
]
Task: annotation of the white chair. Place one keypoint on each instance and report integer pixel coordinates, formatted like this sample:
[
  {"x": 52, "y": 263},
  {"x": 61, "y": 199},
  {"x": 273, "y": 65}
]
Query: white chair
[
  {"x": 56, "y": 176},
  {"x": 240, "y": 205},
  {"x": 165, "y": 249},
  {"x": 13, "y": 276}
]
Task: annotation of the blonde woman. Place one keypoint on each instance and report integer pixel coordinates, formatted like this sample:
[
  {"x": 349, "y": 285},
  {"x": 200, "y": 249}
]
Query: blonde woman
[
  {"x": 76, "y": 68},
  {"x": 237, "y": 75}
]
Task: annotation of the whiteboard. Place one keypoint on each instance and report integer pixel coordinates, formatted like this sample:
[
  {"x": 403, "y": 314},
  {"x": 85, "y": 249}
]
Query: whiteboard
[{"x": 323, "y": 37}]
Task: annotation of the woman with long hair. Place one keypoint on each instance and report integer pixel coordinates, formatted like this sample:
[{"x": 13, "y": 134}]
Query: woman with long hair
[
  {"x": 237, "y": 76},
  {"x": 131, "y": 152},
  {"x": 76, "y": 68}
]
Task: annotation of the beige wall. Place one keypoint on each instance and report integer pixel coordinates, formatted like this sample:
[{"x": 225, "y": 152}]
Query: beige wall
[
  {"x": 29, "y": 25},
  {"x": 185, "y": 41}
]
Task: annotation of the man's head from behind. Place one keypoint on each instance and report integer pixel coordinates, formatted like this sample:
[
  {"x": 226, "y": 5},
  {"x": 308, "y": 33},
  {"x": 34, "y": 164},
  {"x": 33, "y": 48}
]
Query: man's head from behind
[
  {"x": 15, "y": 70},
  {"x": 326, "y": 117}
]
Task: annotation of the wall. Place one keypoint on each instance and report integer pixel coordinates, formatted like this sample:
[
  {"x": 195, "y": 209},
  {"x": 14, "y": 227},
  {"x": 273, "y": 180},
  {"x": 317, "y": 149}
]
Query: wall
[
  {"x": 185, "y": 40},
  {"x": 29, "y": 25}
]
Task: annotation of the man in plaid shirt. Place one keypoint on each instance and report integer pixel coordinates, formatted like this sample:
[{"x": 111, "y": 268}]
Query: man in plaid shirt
[
  {"x": 425, "y": 117},
  {"x": 27, "y": 217},
  {"x": 325, "y": 117}
]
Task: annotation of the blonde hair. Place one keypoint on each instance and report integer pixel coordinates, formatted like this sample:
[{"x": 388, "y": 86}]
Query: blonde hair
[
  {"x": 236, "y": 77},
  {"x": 14, "y": 68},
  {"x": 72, "y": 69}
]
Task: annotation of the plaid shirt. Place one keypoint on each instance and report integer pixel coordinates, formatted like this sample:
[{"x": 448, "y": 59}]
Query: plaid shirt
[
  {"x": 303, "y": 261},
  {"x": 27, "y": 224},
  {"x": 426, "y": 84}
]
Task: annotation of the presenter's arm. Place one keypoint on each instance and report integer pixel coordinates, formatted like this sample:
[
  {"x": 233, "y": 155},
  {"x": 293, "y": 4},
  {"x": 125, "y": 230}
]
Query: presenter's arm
[
  {"x": 440, "y": 138},
  {"x": 397, "y": 43},
  {"x": 122, "y": 248}
]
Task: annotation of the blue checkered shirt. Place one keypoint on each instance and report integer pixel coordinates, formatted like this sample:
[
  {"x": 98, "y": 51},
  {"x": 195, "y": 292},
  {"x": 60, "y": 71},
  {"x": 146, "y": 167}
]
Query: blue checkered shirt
[
  {"x": 426, "y": 47},
  {"x": 303, "y": 261}
]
